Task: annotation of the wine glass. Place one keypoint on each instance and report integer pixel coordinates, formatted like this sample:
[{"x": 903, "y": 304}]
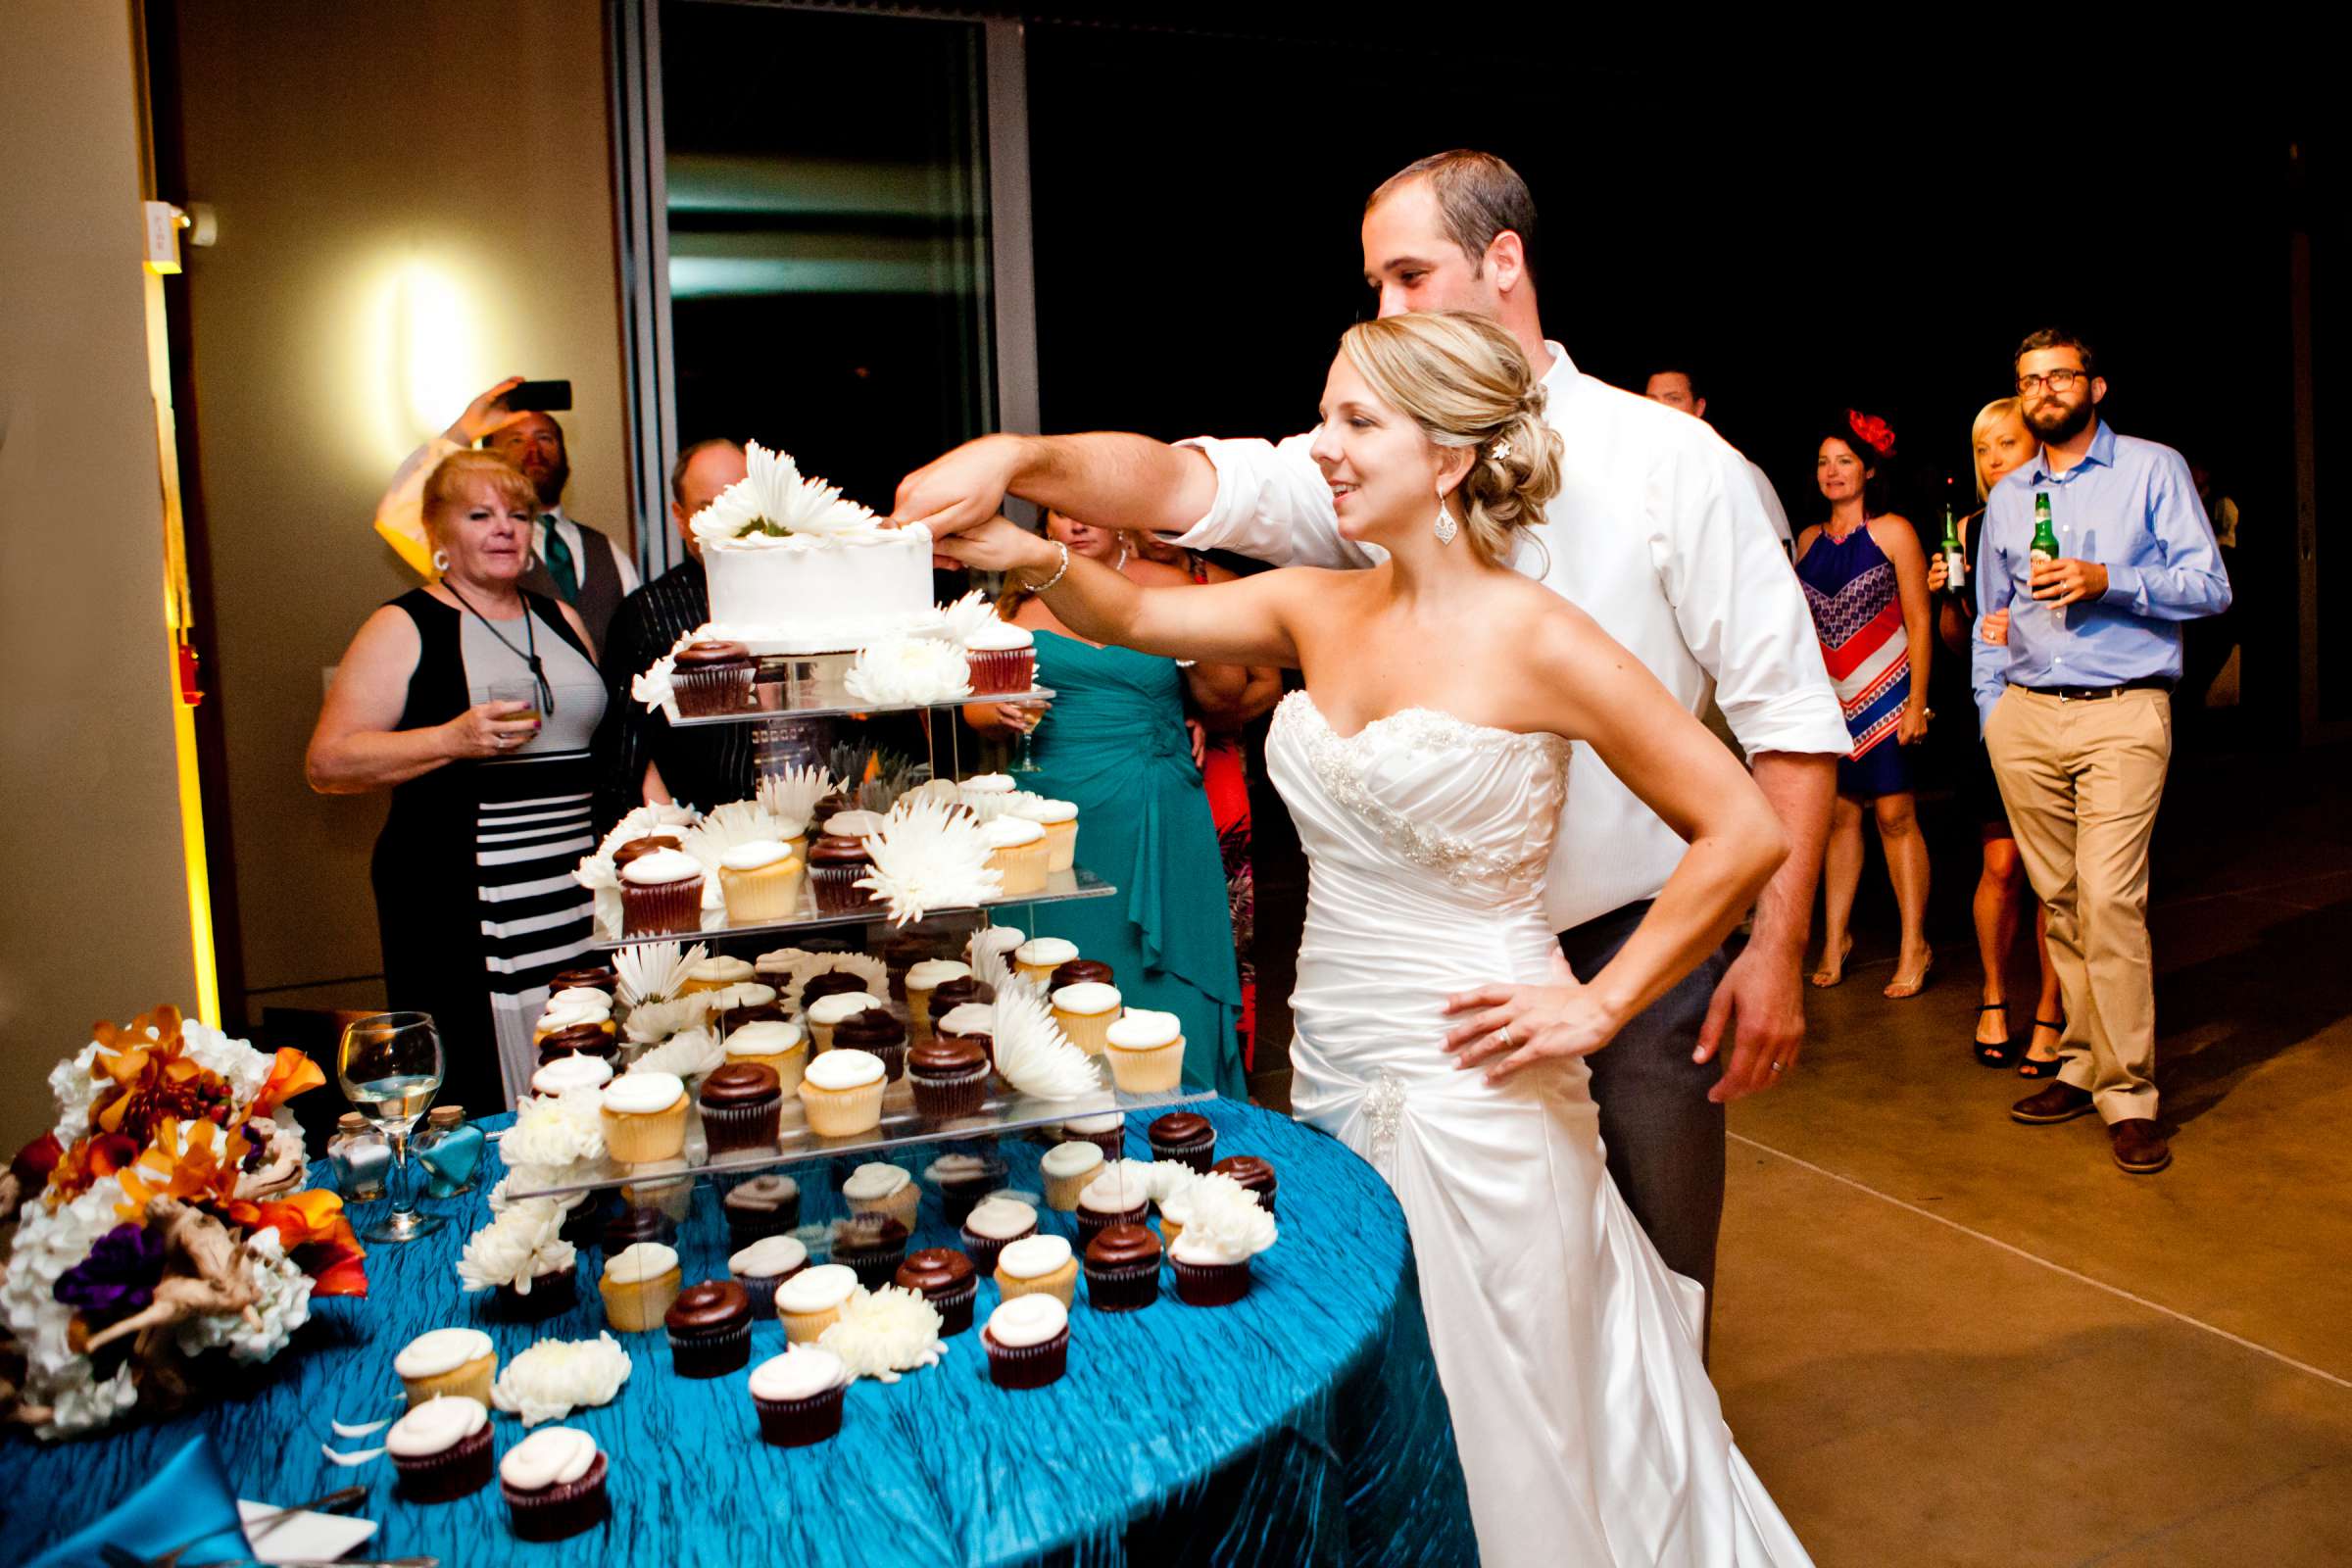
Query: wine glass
[
  {"x": 390, "y": 1067},
  {"x": 1026, "y": 762}
]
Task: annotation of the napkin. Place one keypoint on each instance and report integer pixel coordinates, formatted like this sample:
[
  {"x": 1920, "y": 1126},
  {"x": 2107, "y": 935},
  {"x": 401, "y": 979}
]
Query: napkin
[
  {"x": 187, "y": 1498},
  {"x": 302, "y": 1536},
  {"x": 450, "y": 1160}
]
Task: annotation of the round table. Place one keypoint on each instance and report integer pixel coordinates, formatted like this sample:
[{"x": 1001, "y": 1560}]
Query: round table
[{"x": 1301, "y": 1425}]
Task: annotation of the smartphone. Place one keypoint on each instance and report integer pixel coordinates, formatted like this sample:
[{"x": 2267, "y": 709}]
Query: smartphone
[{"x": 544, "y": 396}]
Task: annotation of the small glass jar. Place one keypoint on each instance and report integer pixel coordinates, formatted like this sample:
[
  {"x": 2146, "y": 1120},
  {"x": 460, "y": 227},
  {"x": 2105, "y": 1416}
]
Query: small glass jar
[
  {"x": 362, "y": 1157},
  {"x": 450, "y": 1151}
]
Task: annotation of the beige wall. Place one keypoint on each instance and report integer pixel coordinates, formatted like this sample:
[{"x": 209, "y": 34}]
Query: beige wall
[
  {"x": 414, "y": 199},
  {"x": 96, "y": 924}
]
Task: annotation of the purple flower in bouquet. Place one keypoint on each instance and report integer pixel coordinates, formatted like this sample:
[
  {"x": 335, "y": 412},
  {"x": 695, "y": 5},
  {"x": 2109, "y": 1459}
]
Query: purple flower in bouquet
[{"x": 119, "y": 1276}]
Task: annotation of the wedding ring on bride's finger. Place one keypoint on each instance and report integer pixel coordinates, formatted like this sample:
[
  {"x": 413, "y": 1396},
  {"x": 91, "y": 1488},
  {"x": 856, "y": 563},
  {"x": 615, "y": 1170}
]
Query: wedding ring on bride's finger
[{"x": 1503, "y": 1034}]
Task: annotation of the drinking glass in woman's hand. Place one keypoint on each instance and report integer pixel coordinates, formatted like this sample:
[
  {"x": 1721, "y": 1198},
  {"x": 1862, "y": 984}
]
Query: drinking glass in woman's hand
[
  {"x": 492, "y": 728},
  {"x": 1020, "y": 717}
]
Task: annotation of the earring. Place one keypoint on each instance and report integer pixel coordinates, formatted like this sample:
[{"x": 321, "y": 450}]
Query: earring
[
  {"x": 1446, "y": 527},
  {"x": 441, "y": 561}
]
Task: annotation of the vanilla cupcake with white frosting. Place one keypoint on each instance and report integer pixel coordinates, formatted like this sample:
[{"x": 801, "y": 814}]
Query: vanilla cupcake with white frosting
[
  {"x": 1145, "y": 1051},
  {"x": 761, "y": 880},
  {"x": 1016, "y": 852},
  {"x": 772, "y": 1042},
  {"x": 922, "y": 979},
  {"x": 842, "y": 1093},
  {"x": 645, "y": 1118},
  {"x": 1059, "y": 819},
  {"x": 1042, "y": 1265},
  {"x": 640, "y": 1283},
  {"x": 810, "y": 1302},
  {"x": 827, "y": 1011},
  {"x": 716, "y": 973},
  {"x": 1037, "y": 959},
  {"x": 880, "y": 1188},
  {"x": 446, "y": 1362},
  {"x": 1087, "y": 1012},
  {"x": 1068, "y": 1168}
]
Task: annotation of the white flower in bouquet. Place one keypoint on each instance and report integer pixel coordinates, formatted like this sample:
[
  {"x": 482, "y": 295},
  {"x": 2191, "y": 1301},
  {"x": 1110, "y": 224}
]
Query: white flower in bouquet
[
  {"x": 653, "y": 971},
  {"x": 792, "y": 795},
  {"x": 517, "y": 1247},
  {"x": 909, "y": 670},
  {"x": 283, "y": 1304},
  {"x": 49, "y": 1242},
  {"x": 772, "y": 503},
  {"x": 1033, "y": 1055},
  {"x": 929, "y": 855}
]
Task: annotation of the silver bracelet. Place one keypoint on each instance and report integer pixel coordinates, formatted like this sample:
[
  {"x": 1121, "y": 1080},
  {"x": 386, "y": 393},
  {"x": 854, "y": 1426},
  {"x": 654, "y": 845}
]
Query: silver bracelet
[{"x": 1058, "y": 576}]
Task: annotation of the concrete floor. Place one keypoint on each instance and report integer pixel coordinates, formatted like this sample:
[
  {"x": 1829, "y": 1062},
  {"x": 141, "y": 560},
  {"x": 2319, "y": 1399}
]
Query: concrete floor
[{"x": 1942, "y": 1338}]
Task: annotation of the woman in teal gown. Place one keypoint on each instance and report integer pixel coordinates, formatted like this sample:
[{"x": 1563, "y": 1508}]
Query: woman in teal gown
[{"x": 1114, "y": 742}]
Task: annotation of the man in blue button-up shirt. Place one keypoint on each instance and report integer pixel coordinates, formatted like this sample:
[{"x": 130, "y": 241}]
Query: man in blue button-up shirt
[{"x": 2077, "y": 709}]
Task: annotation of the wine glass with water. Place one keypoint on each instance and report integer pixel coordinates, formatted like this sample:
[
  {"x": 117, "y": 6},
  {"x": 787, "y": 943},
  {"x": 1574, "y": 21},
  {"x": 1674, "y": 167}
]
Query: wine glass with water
[{"x": 390, "y": 1065}]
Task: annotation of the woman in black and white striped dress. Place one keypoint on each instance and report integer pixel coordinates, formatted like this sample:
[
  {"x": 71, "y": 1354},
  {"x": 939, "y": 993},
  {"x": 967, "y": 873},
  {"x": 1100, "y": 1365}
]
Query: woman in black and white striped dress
[{"x": 490, "y": 793}]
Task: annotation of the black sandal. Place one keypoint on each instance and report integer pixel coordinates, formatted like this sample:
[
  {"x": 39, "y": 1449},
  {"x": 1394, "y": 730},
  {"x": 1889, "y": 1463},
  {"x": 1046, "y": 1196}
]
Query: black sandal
[
  {"x": 2005, "y": 1053},
  {"x": 2035, "y": 1066}
]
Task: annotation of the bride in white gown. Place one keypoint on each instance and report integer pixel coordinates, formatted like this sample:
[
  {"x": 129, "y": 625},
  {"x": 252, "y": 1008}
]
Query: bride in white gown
[{"x": 1425, "y": 765}]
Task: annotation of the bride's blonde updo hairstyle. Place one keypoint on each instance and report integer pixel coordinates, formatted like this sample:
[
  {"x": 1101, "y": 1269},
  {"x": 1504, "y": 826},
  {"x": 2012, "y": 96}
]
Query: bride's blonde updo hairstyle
[{"x": 1465, "y": 382}]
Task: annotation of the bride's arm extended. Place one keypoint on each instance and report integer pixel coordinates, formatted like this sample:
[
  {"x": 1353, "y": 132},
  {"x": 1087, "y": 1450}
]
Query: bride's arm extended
[
  {"x": 1584, "y": 685},
  {"x": 1243, "y": 622}
]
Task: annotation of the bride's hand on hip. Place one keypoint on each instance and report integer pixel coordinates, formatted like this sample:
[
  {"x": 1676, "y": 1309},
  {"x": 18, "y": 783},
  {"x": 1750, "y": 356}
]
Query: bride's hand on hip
[
  {"x": 997, "y": 545},
  {"x": 1526, "y": 1024}
]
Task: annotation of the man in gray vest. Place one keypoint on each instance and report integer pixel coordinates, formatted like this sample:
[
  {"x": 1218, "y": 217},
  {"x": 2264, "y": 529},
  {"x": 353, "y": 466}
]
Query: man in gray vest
[{"x": 569, "y": 560}]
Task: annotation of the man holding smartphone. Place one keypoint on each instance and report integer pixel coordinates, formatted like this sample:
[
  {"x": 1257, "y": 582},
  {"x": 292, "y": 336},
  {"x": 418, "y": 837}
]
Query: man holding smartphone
[{"x": 569, "y": 560}]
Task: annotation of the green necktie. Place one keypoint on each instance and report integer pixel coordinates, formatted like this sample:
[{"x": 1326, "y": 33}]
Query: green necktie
[{"x": 560, "y": 564}]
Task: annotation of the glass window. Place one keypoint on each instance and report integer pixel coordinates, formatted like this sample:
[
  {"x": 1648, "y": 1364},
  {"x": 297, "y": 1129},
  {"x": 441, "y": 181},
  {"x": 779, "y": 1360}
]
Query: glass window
[{"x": 828, "y": 235}]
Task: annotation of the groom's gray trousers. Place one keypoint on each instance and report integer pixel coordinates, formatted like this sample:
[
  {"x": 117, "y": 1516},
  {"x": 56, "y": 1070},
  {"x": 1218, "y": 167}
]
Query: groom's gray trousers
[{"x": 1664, "y": 1135}]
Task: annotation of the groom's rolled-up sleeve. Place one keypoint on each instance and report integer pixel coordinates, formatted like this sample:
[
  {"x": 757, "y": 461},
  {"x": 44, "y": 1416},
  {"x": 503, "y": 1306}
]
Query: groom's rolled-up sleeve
[
  {"x": 1272, "y": 506},
  {"x": 1742, "y": 613}
]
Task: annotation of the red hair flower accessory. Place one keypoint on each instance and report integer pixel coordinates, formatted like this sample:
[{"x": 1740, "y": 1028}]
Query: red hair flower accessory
[{"x": 1874, "y": 432}]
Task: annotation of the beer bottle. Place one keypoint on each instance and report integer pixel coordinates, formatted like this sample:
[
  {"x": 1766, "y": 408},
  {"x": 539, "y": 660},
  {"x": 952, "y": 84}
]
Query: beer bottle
[
  {"x": 2045, "y": 546},
  {"x": 1955, "y": 563}
]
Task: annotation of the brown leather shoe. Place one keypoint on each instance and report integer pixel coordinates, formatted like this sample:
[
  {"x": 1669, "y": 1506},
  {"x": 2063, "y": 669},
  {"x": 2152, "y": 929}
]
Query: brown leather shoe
[
  {"x": 2061, "y": 1101},
  {"x": 2140, "y": 1146}
]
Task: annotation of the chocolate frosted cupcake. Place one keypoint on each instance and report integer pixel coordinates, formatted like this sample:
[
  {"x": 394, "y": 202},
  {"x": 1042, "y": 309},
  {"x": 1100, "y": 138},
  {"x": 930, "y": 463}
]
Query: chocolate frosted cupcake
[
  {"x": 962, "y": 1180},
  {"x": 1079, "y": 972},
  {"x": 835, "y": 863},
  {"x": 968, "y": 1023},
  {"x": 764, "y": 1205},
  {"x": 946, "y": 1280},
  {"x": 991, "y": 1225},
  {"x": 762, "y": 1266},
  {"x": 829, "y": 982},
  {"x": 1028, "y": 1342},
  {"x": 951, "y": 993},
  {"x": 636, "y": 849},
  {"x": 1254, "y": 1174},
  {"x": 1113, "y": 1199},
  {"x": 1184, "y": 1136},
  {"x": 742, "y": 1104},
  {"x": 661, "y": 892},
  {"x": 606, "y": 979},
  {"x": 630, "y": 1226},
  {"x": 872, "y": 1246},
  {"x": 554, "y": 1481},
  {"x": 579, "y": 1040},
  {"x": 798, "y": 1395},
  {"x": 712, "y": 677},
  {"x": 1122, "y": 1269},
  {"x": 949, "y": 1076},
  {"x": 877, "y": 1032},
  {"x": 441, "y": 1449},
  {"x": 710, "y": 1329}
]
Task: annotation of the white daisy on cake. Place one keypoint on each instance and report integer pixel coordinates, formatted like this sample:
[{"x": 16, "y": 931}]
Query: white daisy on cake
[{"x": 772, "y": 502}]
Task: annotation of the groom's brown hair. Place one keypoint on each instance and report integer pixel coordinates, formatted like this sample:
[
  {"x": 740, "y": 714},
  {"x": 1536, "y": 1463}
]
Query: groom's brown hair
[{"x": 1479, "y": 196}]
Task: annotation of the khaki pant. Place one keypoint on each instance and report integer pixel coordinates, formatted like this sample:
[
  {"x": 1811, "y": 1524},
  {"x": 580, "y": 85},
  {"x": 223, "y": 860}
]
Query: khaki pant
[{"x": 2081, "y": 781}]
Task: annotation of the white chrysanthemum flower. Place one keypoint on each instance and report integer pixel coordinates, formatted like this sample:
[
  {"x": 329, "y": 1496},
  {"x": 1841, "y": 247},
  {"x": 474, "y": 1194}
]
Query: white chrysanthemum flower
[
  {"x": 959, "y": 621},
  {"x": 990, "y": 954},
  {"x": 1226, "y": 1217},
  {"x": 792, "y": 795},
  {"x": 653, "y": 971},
  {"x": 555, "y": 1377},
  {"x": 688, "y": 1054},
  {"x": 652, "y": 1022},
  {"x": 883, "y": 1333},
  {"x": 929, "y": 855},
  {"x": 556, "y": 1130},
  {"x": 773, "y": 502},
  {"x": 517, "y": 1247},
  {"x": 1033, "y": 1055},
  {"x": 909, "y": 670}
]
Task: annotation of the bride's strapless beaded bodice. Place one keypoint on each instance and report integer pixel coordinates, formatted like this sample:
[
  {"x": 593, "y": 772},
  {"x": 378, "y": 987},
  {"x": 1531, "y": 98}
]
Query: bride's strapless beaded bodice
[{"x": 1424, "y": 793}]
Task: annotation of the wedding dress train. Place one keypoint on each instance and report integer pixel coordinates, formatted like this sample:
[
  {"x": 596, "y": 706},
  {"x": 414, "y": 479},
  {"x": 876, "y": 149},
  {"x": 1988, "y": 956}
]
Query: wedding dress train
[{"x": 1569, "y": 1353}]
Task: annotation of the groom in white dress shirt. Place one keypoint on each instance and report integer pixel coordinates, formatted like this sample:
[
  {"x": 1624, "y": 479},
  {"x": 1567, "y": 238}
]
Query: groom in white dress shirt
[{"x": 1658, "y": 534}]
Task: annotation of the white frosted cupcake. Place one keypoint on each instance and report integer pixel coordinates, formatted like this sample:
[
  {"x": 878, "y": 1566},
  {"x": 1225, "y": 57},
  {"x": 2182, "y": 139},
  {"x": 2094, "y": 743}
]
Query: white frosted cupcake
[
  {"x": 639, "y": 1284},
  {"x": 716, "y": 974},
  {"x": 826, "y": 1011},
  {"x": 442, "y": 1448},
  {"x": 1016, "y": 850},
  {"x": 567, "y": 1073},
  {"x": 1068, "y": 1168},
  {"x": 798, "y": 1395},
  {"x": 1037, "y": 959},
  {"x": 842, "y": 1093},
  {"x": 1085, "y": 1012},
  {"x": 447, "y": 1362},
  {"x": 984, "y": 793},
  {"x": 1003, "y": 659},
  {"x": 854, "y": 824},
  {"x": 1041, "y": 1264},
  {"x": 661, "y": 892},
  {"x": 1145, "y": 1051},
  {"x": 760, "y": 881},
  {"x": 765, "y": 1264},
  {"x": 810, "y": 1302},
  {"x": 1059, "y": 819},
  {"x": 645, "y": 1118},
  {"x": 992, "y": 1224},
  {"x": 593, "y": 1008},
  {"x": 772, "y": 1042},
  {"x": 922, "y": 980},
  {"x": 879, "y": 1188}
]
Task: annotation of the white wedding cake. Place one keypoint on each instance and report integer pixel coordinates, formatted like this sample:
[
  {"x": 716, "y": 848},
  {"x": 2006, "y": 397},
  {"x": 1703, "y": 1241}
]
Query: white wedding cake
[{"x": 795, "y": 569}]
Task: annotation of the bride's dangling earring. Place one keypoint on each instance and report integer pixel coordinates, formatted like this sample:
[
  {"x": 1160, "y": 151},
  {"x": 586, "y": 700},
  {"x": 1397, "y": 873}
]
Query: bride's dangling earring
[
  {"x": 441, "y": 561},
  {"x": 1446, "y": 527}
]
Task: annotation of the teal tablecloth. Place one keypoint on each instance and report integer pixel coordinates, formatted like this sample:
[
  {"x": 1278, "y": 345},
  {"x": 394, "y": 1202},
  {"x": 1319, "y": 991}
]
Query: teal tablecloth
[{"x": 1302, "y": 1425}]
